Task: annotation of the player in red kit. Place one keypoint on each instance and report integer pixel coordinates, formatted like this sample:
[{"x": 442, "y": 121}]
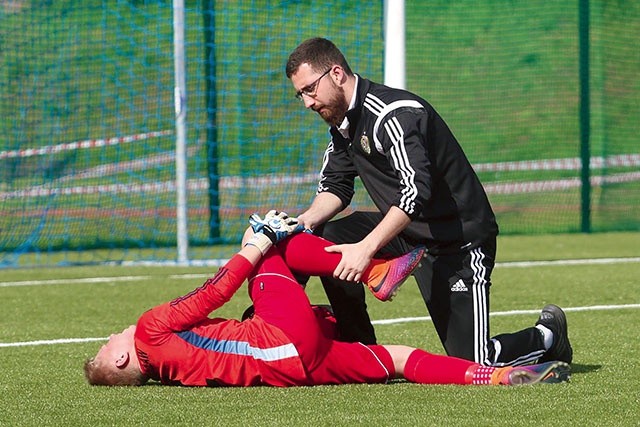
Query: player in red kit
[{"x": 286, "y": 342}]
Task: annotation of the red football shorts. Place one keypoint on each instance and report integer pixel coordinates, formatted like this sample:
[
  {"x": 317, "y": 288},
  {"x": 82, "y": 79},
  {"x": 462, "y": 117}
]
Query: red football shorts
[{"x": 280, "y": 301}]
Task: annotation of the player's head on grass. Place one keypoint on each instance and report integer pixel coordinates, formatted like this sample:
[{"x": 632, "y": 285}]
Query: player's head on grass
[{"x": 116, "y": 363}]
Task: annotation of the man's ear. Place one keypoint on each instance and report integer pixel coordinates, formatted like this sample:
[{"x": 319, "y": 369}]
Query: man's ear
[
  {"x": 338, "y": 75},
  {"x": 122, "y": 361}
]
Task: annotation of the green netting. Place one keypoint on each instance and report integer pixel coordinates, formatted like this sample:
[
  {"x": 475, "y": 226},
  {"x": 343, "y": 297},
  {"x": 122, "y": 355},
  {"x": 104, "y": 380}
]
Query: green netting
[
  {"x": 616, "y": 115},
  {"x": 506, "y": 76},
  {"x": 87, "y": 123},
  {"x": 87, "y": 137}
]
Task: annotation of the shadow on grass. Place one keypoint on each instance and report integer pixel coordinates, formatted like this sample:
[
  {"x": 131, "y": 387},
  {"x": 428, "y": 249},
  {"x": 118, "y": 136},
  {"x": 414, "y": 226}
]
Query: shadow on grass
[{"x": 577, "y": 368}]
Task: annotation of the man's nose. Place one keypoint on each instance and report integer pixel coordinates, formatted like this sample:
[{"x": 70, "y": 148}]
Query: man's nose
[{"x": 308, "y": 101}]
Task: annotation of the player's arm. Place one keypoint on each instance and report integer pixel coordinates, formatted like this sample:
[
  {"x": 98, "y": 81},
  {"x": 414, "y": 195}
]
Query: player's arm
[
  {"x": 184, "y": 312},
  {"x": 158, "y": 325}
]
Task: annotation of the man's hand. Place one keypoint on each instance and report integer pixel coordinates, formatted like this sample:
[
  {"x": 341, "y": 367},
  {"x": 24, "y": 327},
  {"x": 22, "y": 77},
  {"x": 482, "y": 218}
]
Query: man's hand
[
  {"x": 324, "y": 207},
  {"x": 357, "y": 256},
  {"x": 355, "y": 259}
]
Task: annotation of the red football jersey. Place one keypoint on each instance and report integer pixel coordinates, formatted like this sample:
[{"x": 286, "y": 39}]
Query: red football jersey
[{"x": 177, "y": 343}]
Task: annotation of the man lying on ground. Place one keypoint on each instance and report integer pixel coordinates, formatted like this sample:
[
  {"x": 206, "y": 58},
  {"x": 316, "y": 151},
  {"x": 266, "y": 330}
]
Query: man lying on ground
[{"x": 286, "y": 342}]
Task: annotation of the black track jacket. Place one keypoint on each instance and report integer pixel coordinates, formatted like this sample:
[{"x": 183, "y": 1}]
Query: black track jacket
[{"x": 406, "y": 156}]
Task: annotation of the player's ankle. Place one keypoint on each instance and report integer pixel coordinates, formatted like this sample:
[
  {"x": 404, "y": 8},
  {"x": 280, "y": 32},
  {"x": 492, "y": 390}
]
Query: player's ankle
[
  {"x": 500, "y": 376},
  {"x": 376, "y": 270},
  {"x": 487, "y": 375}
]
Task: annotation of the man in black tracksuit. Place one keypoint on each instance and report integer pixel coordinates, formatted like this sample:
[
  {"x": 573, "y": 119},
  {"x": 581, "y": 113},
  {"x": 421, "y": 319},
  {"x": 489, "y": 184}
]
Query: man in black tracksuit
[{"x": 427, "y": 194}]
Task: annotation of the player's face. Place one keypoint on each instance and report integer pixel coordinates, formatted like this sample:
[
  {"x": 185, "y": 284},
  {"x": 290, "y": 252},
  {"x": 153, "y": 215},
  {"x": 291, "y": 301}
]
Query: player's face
[
  {"x": 320, "y": 93},
  {"x": 117, "y": 344}
]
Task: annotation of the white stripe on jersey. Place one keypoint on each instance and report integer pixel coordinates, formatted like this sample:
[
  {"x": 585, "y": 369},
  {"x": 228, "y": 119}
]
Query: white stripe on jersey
[
  {"x": 325, "y": 161},
  {"x": 239, "y": 348},
  {"x": 374, "y": 104},
  {"x": 386, "y": 110},
  {"x": 401, "y": 162},
  {"x": 274, "y": 353},
  {"x": 398, "y": 151}
]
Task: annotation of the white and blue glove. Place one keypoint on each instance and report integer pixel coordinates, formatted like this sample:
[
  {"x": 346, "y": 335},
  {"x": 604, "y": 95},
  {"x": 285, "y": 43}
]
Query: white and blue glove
[{"x": 275, "y": 227}]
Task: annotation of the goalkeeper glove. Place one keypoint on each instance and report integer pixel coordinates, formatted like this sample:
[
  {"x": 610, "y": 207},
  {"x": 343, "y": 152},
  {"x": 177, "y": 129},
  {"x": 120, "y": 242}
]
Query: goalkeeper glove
[{"x": 275, "y": 227}]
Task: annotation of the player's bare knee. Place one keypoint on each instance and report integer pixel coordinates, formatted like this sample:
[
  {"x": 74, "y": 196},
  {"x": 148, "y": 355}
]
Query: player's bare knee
[{"x": 400, "y": 354}]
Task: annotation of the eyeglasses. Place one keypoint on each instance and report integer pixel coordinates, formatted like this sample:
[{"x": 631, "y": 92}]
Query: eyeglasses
[{"x": 310, "y": 89}]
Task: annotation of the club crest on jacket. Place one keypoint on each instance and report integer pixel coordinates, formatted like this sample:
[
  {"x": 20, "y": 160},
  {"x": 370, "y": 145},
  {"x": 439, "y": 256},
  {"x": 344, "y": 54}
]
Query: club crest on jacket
[{"x": 364, "y": 143}]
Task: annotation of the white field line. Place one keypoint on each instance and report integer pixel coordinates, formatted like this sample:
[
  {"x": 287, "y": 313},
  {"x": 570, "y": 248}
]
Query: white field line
[
  {"x": 375, "y": 322},
  {"x": 92, "y": 280},
  {"x": 510, "y": 313},
  {"x": 568, "y": 262},
  {"x": 221, "y": 262},
  {"x": 50, "y": 342},
  {"x": 74, "y": 281}
]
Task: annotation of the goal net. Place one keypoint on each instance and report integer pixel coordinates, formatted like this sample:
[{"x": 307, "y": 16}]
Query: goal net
[{"x": 88, "y": 139}]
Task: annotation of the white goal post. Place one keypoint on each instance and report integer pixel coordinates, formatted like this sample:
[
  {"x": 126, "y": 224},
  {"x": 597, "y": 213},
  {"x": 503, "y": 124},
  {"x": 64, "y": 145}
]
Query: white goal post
[
  {"x": 180, "y": 99},
  {"x": 394, "y": 75},
  {"x": 394, "y": 44}
]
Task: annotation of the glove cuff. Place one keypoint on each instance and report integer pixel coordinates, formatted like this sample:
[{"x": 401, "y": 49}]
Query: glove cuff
[{"x": 260, "y": 241}]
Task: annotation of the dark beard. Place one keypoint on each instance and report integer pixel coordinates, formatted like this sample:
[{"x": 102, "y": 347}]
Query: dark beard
[{"x": 336, "y": 110}]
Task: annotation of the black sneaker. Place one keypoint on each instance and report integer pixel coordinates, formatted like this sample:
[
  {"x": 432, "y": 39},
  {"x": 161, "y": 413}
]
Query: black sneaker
[{"x": 553, "y": 318}]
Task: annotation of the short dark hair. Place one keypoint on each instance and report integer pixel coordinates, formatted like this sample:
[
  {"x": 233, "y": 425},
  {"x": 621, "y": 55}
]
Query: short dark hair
[{"x": 320, "y": 53}]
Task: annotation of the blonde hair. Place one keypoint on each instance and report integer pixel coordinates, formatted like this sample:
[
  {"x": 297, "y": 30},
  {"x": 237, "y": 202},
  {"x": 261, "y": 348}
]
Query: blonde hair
[{"x": 98, "y": 373}]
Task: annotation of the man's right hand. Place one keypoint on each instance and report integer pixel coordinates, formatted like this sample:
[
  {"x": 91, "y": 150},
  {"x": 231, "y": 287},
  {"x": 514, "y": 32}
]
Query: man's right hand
[{"x": 324, "y": 207}]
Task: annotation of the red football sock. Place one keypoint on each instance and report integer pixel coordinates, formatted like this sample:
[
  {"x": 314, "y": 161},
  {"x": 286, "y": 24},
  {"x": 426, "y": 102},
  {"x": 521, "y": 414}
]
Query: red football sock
[
  {"x": 304, "y": 253},
  {"x": 427, "y": 368}
]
